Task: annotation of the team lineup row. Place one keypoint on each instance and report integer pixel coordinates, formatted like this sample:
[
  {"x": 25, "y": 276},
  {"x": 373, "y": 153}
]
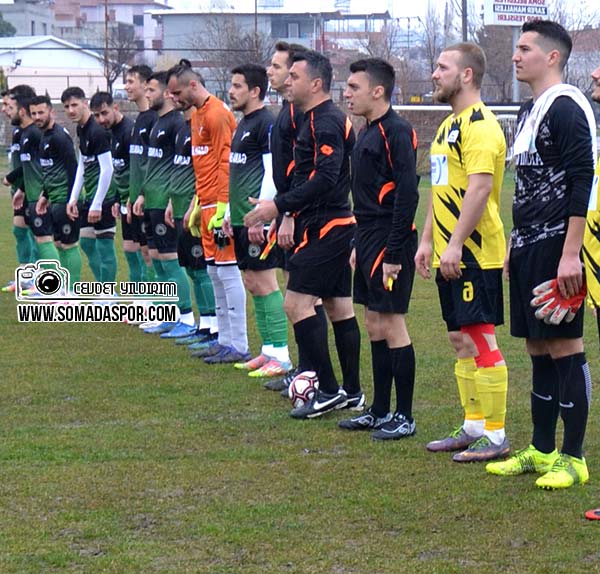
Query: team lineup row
[{"x": 224, "y": 206}]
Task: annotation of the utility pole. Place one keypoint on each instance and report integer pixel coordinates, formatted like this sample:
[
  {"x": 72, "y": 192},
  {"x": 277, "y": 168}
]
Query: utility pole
[
  {"x": 464, "y": 18},
  {"x": 106, "y": 43}
]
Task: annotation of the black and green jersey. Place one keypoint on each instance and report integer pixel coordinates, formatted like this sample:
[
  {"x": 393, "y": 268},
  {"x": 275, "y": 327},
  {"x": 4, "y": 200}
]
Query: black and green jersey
[
  {"x": 59, "y": 164},
  {"x": 121, "y": 138},
  {"x": 138, "y": 151},
  {"x": 93, "y": 141},
  {"x": 15, "y": 160},
  {"x": 183, "y": 181},
  {"x": 30, "y": 170},
  {"x": 250, "y": 142},
  {"x": 160, "y": 166}
]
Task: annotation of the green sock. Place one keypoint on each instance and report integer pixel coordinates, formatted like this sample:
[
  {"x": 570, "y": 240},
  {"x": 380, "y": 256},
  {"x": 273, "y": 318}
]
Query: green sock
[
  {"x": 35, "y": 252},
  {"x": 150, "y": 270},
  {"x": 135, "y": 266},
  {"x": 24, "y": 246},
  {"x": 159, "y": 272},
  {"x": 203, "y": 290},
  {"x": 48, "y": 250},
  {"x": 261, "y": 319},
  {"x": 108, "y": 259},
  {"x": 276, "y": 319},
  {"x": 71, "y": 259},
  {"x": 142, "y": 265},
  {"x": 88, "y": 246},
  {"x": 175, "y": 272}
]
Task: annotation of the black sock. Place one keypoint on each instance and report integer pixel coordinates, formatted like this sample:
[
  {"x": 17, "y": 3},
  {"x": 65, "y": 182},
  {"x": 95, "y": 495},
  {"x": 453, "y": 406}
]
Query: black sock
[
  {"x": 381, "y": 361},
  {"x": 544, "y": 402},
  {"x": 403, "y": 369},
  {"x": 575, "y": 386},
  {"x": 311, "y": 337},
  {"x": 303, "y": 362},
  {"x": 347, "y": 343}
]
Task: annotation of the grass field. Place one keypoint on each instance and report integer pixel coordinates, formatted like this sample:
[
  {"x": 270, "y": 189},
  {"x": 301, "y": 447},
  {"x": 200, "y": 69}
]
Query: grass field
[{"x": 122, "y": 455}]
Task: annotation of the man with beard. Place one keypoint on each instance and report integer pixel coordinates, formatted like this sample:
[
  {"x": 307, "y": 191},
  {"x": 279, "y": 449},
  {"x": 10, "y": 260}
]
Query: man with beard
[
  {"x": 59, "y": 165},
  {"x": 153, "y": 200},
  {"x": 94, "y": 171},
  {"x": 251, "y": 176},
  {"x": 464, "y": 232},
  {"x": 591, "y": 245}
]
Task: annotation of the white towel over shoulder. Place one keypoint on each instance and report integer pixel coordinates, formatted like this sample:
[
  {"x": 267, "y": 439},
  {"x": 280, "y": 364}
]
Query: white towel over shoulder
[{"x": 525, "y": 138}]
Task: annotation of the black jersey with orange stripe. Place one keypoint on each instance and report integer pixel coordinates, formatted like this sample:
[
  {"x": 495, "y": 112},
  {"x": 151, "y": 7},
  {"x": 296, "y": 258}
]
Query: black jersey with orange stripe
[
  {"x": 384, "y": 179},
  {"x": 321, "y": 181},
  {"x": 283, "y": 140}
]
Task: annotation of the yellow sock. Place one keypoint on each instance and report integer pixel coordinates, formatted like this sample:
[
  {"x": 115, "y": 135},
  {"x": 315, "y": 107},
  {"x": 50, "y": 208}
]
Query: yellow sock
[
  {"x": 464, "y": 370},
  {"x": 492, "y": 387}
]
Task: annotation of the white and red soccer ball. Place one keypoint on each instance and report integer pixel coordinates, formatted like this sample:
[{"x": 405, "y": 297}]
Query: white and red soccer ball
[{"x": 303, "y": 388}]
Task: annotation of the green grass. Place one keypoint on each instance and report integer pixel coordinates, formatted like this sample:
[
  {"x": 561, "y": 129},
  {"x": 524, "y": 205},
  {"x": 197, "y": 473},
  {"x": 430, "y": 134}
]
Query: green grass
[{"x": 120, "y": 454}]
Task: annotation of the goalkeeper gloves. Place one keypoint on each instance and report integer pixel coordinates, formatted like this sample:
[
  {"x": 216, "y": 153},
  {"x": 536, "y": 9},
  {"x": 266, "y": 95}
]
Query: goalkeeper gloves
[
  {"x": 195, "y": 216},
  {"x": 216, "y": 221},
  {"x": 552, "y": 307}
]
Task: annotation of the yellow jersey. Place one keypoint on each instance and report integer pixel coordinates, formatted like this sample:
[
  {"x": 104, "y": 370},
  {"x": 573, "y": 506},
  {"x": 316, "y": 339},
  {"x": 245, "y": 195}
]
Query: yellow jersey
[
  {"x": 465, "y": 144},
  {"x": 591, "y": 242}
]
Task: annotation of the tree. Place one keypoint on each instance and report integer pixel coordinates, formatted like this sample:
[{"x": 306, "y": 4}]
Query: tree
[
  {"x": 122, "y": 48},
  {"x": 496, "y": 42},
  {"x": 6, "y": 28},
  {"x": 224, "y": 44}
]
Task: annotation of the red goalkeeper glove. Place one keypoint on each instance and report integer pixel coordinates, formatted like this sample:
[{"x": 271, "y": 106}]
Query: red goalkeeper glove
[{"x": 552, "y": 307}]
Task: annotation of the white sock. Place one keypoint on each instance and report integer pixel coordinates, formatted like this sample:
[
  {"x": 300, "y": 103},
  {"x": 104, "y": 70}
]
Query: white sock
[
  {"x": 281, "y": 354},
  {"x": 214, "y": 325},
  {"x": 205, "y": 322},
  {"x": 187, "y": 319},
  {"x": 496, "y": 436},
  {"x": 223, "y": 325},
  {"x": 267, "y": 350},
  {"x": 235, "y": 293},
  {"x": 474, "y": 428}
]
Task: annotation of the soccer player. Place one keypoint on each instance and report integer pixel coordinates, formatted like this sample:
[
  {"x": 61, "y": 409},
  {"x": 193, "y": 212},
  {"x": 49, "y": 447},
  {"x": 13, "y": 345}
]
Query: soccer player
[
  {"x": 251, "y": 175},
  {"x": 30, "y": 173},
  {"x": 212, "y": 127},
  {"x": 189, "y": 248},
  {"x": 135, "y": 86},
  {"x": 94, "y": 171},
  {"x": 554, "y": 157},
  {"x": 385, "y": 198},
  {"x": 463, "y": 222},
  {"x": 153, "y": 199},
  {"x": 59, "y": 166},
  {"x": 591, "y": 245},
  {"x": 107, "y": 115},
  {"x": 25, "y": 241},
  {"x": 319, "y": 267}
]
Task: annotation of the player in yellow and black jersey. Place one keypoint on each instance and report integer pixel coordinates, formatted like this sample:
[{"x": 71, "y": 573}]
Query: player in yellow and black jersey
[{"x": 463, "y": 231}]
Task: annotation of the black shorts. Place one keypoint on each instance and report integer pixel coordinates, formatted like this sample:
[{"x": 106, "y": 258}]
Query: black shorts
[
  {"x": 131, "y": 231},
  {"x": 19, "y": 212},
  {"x": 320, "y": 264},
  {"x": 189, "y": 248},
  {"x": 368, "y": 275},
  {"x": 64, "y": 229},
  {"x": 159, "y": 235},
  {"x": 286, "y": 254},
  {"x": 529, "y": 266},
  {"x": 476, "y": 297},
  {"x": 40, "y": 225},
  {"x": 107, "y": 223},
  {"x": 248, "y": 254}
]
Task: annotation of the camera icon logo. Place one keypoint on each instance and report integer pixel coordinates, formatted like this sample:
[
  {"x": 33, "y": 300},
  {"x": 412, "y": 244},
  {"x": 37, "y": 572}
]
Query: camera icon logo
[{"x": 43, "y": 279}]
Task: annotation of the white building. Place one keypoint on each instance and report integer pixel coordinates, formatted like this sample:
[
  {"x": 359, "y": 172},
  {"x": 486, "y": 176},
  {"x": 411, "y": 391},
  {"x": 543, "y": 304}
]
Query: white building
[{"x": 50, "y": 65}]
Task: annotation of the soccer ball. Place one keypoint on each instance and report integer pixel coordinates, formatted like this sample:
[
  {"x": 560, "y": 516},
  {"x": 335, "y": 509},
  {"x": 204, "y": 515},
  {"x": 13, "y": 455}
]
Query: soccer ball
[{"x": 303, "y": 388}]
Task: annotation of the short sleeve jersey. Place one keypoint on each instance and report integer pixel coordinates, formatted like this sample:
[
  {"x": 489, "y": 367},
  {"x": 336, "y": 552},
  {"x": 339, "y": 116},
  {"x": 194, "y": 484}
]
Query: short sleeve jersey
[
  {"x": 554, "y": 181},
  {"x": 121, "y": 137},
  {"x": 59, "y": 163},
  {"x": 213, "y": 125},
  {"x": 138, "y": 151},
  {"x": 283, "y": 139},
  {"x": 251, "y": 140},
  {"x": 471, "y": 142},
  {"x": 30, "y": 162},
  {"x": 94, "y": 140},
  {"x": 183, "y": 181},
  {"x": 160, "y": 166},
  {"x": 591, "y": 241}
]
